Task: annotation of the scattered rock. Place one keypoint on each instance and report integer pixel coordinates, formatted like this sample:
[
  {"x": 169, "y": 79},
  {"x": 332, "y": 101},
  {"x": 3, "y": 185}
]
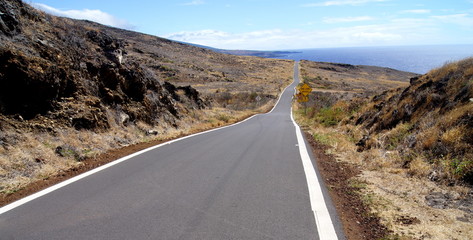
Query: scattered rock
[
  {"x": 438, "y": 200},
  {"x": 407, "y": 220},
  {"x": 414, "y": 80},
  {"x": 152, "y": 132},
  {"x": 411, "y": 140},
  {"x": 9, "y": 23},
  {"x": 69, "y": 151},
  {"x": 362, "y": 144},
  {"x": 466, "y": 218},
  {"x": 434, "y": 176},
  {"x": 123, "y": 118},
  {"x": 444, "y": 200},
  {"x": 466, "y": 203}
]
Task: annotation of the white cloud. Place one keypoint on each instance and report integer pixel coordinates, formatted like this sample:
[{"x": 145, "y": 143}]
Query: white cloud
[
  {"x": 347, "y": 19},
  {"x": 193, "y": 3},
  {"x": 398, "y": 32},
  {"x": 204, "y": 35},
  {"x": 341, "y": 3},
  {"x": 417, "y": 11},
  {"x": 225, "y": 40},
  {"x": 376, "y": 36},
  {"x": 462, "y": 19},
  {"x": 86, "y": 14},
  {"x": 412, "y": 30}
]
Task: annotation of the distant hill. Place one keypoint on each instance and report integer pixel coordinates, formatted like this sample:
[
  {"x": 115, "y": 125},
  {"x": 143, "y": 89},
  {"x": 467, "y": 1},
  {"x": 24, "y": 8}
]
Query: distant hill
[
  {"x": 254, "y": 53},
  {"x": 264, "y": 54}
]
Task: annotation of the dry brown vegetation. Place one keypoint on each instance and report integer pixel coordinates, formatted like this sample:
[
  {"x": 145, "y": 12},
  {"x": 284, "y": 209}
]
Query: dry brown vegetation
[
  {"x": 359, "y": 80},
  {"x": 432, "y": 118},
  {"x": 414, "y": 148},
  {"x": 71, "y": 90}
]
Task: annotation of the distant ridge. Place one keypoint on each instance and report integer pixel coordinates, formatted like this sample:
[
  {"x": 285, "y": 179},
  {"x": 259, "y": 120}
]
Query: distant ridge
[
  {"x": 265, "y": 54},
  {"x": 253, "y": 53}
]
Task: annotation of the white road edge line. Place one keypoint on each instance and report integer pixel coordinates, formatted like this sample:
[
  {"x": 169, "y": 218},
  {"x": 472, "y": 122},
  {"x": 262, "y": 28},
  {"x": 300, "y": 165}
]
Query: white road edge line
[
  {"x": 43, "y": 192},
  {"x": 324, "y": 223},
  {"x": 322, "y": 217}
]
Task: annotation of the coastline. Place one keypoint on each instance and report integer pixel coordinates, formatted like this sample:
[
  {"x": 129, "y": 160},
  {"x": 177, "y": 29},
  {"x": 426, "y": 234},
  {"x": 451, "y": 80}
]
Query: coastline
[{"x": 415, "y": 59}]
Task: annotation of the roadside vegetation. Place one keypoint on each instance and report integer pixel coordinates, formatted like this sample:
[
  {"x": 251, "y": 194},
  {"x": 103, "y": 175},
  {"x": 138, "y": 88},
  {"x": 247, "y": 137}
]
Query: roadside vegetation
[{"x": 413, "y": 146}]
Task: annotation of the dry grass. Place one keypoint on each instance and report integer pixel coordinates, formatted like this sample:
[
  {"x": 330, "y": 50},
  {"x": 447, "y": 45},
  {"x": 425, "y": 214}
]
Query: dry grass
[
  {"x": 356, "y": 79},
  {"x": 398, "y": 194},
  {"x": 446, "y": 143},
  {"x": 419, "y": 168},
  {"x": 390, "y": 140},
  {"x": 429, "y": 138},
  {"x": 401, "y": 158},
  {"x": 398, "y": 198},
  {"x": 453, "y": 136}
]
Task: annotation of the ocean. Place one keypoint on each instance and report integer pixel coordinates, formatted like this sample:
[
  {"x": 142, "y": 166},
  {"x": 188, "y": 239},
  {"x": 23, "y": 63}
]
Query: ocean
[{"x": 416, "y": 59}]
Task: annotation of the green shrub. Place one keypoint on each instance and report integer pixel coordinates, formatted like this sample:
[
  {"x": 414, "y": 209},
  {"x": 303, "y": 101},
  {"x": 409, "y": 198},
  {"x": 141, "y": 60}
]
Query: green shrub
[
  {"x": 322, "y": 138},
  {"x": 330, "y": 116},
  {"x": 397, "y": 135},
  {"x": 461, "y": 168}
]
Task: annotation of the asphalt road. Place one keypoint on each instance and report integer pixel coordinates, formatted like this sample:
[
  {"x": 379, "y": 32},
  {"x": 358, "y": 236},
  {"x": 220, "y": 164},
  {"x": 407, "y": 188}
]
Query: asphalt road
[{"x": 246, "y": 181}]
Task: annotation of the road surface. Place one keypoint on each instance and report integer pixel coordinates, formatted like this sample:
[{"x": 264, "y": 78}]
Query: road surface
[{"x": 246, "y": 181}]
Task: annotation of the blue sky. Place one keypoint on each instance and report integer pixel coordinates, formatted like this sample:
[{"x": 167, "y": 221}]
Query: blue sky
[{"x": 278, "y": 25}]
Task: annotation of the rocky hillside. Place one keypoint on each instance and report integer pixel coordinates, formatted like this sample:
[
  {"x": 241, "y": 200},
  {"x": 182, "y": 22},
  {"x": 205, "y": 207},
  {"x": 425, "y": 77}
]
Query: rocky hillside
[
  {"x": 71, "y": 90},
  {"x": 432, "y": 117},
  {"x": 71, "y": 73}
]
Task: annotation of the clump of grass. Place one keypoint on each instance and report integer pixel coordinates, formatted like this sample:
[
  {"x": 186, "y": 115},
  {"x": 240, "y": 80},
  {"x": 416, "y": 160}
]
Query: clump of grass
[
  {"x": 396, "y": 136},
  {"x": 323, "y": 138},
  {"x": 223, "y": 117},
  {"x": 331, "y": 116},
  {"x": 460, "y": 168},
  {"x": 419, "y": 167},
  {"x": 453, "y": 136}
]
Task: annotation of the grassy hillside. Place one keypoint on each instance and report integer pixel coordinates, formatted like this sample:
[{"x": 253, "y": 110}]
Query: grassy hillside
[
  {"x": 432, "y": 119},
  {"x": 413, "y": 145}
]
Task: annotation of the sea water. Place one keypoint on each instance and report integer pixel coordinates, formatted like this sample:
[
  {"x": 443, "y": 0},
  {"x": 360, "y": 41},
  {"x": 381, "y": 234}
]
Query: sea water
[{"x": 416, "y": 59}]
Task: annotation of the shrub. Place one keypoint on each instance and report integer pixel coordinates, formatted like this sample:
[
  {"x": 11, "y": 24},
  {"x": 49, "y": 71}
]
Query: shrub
[
  {"x": 461, "y": 168},
  {"x": 322, "y": 138},
  {"x": 223, "y": 117},
  {"x": 331, "y": 116},
  {"x": 396, "y": 136}
]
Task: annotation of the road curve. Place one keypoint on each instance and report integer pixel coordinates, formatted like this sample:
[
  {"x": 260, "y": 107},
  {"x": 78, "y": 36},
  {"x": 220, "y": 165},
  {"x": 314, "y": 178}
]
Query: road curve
[{"x": 246, "y": 181}]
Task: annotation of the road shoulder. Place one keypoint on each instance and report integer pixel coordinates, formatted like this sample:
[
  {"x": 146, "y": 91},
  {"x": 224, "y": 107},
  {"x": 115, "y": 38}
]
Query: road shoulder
[{"x": 358, "y": 223}]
